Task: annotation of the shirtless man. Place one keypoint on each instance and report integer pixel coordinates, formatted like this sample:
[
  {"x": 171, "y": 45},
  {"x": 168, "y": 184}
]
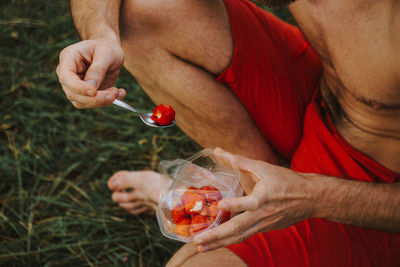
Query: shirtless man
[{"x": 249, "y": 79}]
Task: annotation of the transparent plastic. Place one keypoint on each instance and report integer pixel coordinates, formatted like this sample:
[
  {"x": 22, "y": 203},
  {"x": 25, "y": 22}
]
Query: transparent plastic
[{"x": 190, "y": 191}]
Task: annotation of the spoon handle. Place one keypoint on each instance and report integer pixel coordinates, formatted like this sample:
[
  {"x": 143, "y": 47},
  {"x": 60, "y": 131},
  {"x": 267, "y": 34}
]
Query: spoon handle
[{"x": 124, "y": 105}]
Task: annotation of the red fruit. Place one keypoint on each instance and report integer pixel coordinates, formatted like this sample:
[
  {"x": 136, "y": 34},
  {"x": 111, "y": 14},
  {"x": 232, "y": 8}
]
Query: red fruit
[
  {"x": 193, "y": 201},
  {"x": 178, "y": 213},
  {"x": 211, "y": 193},
  {"x": 213, "y": 210},
  {"x": 204, "y": 210},
  {"x": 225, "y": 216},
  {"x": 192, "y": 188},
  {"x": 163, "y": 114},
  {"x": 183, "y": 227},
  {"x": 199, "y": 222}
]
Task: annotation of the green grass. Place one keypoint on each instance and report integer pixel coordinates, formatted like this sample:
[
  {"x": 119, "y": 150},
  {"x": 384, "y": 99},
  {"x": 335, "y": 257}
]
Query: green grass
[{"x": 55, "y": 160}]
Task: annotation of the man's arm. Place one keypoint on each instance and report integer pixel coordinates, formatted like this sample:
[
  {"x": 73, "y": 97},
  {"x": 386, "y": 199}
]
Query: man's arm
[
  {"x": 89, "y": 69},
  {"x": 358, "y": 203},
  {"x": 281, "y": 197},
  {"x": 96, "y": 19}
]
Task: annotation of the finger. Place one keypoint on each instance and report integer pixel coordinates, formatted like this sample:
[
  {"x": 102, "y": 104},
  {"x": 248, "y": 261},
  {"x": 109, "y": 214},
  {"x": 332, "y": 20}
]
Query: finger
[
  {"x": 251, "y": 202},
  {"x": 99, "y": 67},
  {"x": 109, "y": 79},
  {"x": 227, "y": 241},
  {"x": 235, "y": 227},
  {"x": 68, "y": 76},
  {"x": 104, "y": 98},
  {"x": 77, "y": 105},
  {"x": 79, "y": 101},
  {"x": 121, "y": 94},
  {"x": 261, "y": 226},
  {"x": 118, "y": 93}
]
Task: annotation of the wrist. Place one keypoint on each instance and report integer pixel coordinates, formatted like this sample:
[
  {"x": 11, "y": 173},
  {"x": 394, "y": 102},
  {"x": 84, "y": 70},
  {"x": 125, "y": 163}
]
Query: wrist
[
  {"x": 108, "y": 34},
  {"x": 316, "y": 193}
]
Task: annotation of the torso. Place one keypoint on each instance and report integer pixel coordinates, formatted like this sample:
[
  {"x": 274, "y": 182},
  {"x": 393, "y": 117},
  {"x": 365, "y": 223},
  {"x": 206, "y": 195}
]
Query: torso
[{"x": 359, "y": 44}]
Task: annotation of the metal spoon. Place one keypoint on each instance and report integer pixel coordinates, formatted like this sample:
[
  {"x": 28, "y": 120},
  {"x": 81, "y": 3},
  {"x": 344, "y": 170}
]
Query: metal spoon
[{"x": 146, "y": 118}]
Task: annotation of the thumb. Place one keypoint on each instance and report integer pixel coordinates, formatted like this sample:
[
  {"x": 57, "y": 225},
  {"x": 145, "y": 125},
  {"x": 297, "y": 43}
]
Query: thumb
[
  {"x": 251, "y": 202},
  {"x": 98, "y": 69}
]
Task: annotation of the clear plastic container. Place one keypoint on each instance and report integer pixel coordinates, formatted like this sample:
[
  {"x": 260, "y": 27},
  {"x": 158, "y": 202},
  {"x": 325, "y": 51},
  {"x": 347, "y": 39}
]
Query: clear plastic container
[{"x": 190, "y": 191}]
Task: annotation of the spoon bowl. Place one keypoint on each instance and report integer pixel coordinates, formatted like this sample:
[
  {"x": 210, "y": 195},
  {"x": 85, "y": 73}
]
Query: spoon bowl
[{"x": 146, "y": 118}]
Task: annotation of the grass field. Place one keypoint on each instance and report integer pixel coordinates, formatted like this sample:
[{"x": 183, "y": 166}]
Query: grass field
[{"x": 55, "y": 160}]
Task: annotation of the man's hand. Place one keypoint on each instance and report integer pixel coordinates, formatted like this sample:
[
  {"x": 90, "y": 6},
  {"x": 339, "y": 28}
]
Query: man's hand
[
  {"x": 88, "y": 71},
  {"x": 279, "y": 199}
]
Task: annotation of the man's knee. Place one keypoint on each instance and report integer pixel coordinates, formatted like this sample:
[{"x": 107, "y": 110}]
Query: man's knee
[
  {"x": 149, "y": 17},
  {"x": 196, "y": 31},
  {"x": 190, "y": 257}
]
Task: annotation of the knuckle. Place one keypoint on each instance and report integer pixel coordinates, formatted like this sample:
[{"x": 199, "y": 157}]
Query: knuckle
[
  {"x": 64, "y": 53},
  {"x": 212, "y": 237},
  {"x": 77, "y": 105},
  {"x": 92, "y": 102},
  {"x": 237, "y": 229},
  {"x": 99, "y": 68},
  {"x": 256, "y": 203}
]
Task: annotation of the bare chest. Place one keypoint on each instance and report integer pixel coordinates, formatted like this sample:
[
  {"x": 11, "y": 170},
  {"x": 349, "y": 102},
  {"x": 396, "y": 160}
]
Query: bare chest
[{"x": 359, "y": 44}]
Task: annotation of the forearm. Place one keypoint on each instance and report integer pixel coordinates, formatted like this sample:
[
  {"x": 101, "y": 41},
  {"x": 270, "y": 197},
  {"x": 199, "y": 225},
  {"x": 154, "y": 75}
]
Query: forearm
[
  {"x": 96, "y": 19},
  {"x": 358, "y": 203}
]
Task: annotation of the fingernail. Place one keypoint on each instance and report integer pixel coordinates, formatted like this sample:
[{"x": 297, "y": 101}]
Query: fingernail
[
  {"x": 115, "y": 92},
  {"x": 121, "y": 94},
  {"x": 92, "y": 83},
  {"x": 91, "y": 92},
  {"x": 109, "y": 98}
]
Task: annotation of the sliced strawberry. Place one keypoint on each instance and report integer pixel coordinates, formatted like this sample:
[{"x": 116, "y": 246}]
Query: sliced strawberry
[
  {"x": 163, "y": 114},
  {"x": 211, "y": 193},
  {"x": 193, "y": 201},
  {"x": 198, "y": 223},
  {"x": 183, "y": 227},
  {"x": 204, "y": 210},
  {"x": 213, "y": 210},
  {"x": 225, "y": 216},
  {"x": 178, "y": 213}
]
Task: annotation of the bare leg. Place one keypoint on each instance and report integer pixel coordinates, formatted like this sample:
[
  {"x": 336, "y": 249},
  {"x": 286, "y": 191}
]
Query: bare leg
[
  {"x": 188, "y": 256},
  {"x": 175, "y": 49}
]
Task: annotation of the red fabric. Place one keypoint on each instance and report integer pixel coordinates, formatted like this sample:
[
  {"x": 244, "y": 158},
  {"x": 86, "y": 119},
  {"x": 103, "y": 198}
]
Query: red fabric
[
  {"x": 275, "y": 73},
  {"x": 271, "y": 60}
]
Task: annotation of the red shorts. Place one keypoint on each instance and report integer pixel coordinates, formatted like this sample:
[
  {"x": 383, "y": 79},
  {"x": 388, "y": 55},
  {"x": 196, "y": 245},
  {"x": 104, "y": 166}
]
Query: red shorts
[{"x": 275, "y": 73}]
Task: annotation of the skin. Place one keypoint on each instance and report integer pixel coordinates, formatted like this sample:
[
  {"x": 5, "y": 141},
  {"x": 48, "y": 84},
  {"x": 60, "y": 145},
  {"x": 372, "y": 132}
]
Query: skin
[{"x": 358, "y": 42}]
